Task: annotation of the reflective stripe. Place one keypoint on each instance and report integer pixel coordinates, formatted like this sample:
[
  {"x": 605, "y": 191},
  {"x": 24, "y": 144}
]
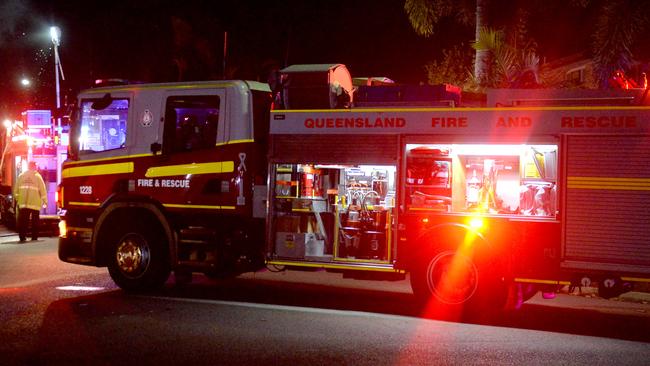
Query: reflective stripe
[
  {"x": 636, "y": 279},
  {"x": 544, "y": 282},
  {"x": 101, "y": 169},
  {"x": 626, "y": 184},
  {"x": 185, "y": 169},
  {"x": 29, "y": 187},
  {"x": 207, "y": 207},
  {"x": 232, "y": 142},
  {"x": 94, "y": 204}
]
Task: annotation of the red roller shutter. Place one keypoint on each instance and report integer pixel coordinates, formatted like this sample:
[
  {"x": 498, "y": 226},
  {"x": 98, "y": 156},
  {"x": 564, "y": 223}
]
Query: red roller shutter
[{"x": 607, "y": 217}]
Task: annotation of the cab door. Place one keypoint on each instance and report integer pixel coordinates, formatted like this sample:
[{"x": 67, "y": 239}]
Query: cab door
[{"x": 191, "y": 172}]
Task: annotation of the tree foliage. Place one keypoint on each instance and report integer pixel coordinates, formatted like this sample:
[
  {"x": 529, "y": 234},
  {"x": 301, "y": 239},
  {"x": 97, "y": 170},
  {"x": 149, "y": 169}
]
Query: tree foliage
[
  {"x": 424, "y": 15},
  {"x": 509, "y": 66},
  {"x": 453, "y": 67},
  {"x": 504, "y": 57},
  {"x": 620, "y": 24}
]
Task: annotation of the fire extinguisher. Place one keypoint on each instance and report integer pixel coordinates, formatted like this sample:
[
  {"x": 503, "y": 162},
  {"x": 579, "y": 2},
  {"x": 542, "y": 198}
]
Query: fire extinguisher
[{"x": 307, "y": 182}]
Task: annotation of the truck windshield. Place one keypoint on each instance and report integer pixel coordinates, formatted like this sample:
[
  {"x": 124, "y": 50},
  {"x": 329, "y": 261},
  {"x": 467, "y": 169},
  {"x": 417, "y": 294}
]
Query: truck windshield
[{"x": 96, "y": 130}]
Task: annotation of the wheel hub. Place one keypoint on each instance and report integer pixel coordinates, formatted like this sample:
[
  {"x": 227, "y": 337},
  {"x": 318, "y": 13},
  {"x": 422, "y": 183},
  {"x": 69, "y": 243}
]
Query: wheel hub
[{"x": 132, "y": 256}]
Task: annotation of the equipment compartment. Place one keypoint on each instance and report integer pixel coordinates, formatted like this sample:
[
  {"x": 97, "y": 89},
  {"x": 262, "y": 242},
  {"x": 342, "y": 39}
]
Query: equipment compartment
[{"x": 339, "y": 213}]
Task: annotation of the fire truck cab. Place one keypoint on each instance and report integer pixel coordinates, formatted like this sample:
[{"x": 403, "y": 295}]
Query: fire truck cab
[{"x": 166, "y": 176}]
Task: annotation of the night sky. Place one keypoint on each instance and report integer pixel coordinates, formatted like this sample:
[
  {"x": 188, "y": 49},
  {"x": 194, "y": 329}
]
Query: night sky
[{"x": 139, "y": 39}]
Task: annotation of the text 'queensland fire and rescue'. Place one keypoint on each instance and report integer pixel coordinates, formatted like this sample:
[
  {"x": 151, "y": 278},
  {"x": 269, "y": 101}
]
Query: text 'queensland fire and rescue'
[{"x": 464, "y": 122}]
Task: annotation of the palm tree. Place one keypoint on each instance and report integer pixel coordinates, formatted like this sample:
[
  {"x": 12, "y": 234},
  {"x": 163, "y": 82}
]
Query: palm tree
[
  {"x": 507, "y": 66},
  {"x": 616, "y": 34},
  {"x": 425, "y": 14},
  {"x": 481, "y": 66}
]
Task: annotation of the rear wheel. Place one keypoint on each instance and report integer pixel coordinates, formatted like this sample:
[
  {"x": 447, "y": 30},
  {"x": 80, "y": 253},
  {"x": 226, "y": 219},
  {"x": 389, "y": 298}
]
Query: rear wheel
[
  {"x": 456, "y": 283},
  {"x": 449, "y": 278},
  {"x": 138, "y": 259}
]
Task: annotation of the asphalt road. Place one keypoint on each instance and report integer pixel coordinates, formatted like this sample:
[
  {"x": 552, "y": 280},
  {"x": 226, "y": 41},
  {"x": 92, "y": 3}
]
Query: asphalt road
[{"x": 57, "y": 313}]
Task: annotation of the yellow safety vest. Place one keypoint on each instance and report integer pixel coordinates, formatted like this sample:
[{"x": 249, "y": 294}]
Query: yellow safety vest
[{"x": 29, "y": 191}]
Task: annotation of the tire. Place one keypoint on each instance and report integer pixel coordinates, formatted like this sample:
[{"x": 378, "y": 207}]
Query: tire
[
  {"x": 455, "y": 283},
  {"x": 448, "y": 278},
  {"x": 138, "y": 259}
]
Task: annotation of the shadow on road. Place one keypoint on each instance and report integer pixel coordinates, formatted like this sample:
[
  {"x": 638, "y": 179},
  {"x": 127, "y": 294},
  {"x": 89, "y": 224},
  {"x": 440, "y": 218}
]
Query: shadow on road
[
  {"x": 79, "y": 315},
  {"x": 530, "y": 316}
]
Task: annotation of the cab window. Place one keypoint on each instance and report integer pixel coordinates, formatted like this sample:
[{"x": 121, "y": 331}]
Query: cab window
[{"x": 191, "y": 122}]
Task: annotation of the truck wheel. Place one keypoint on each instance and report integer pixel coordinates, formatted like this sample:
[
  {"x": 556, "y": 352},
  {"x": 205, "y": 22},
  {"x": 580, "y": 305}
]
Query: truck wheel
[
  {"x": 449, "y": 278},
  {"x": 454, "y": 281},
  {"x": 138, "y": 260}
]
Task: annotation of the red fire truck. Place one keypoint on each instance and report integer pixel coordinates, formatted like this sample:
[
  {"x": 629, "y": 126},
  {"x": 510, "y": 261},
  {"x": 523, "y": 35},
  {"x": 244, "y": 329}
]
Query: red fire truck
[
  {"x": 471, "y": 202},
  {"x": 31, "y": 140}
]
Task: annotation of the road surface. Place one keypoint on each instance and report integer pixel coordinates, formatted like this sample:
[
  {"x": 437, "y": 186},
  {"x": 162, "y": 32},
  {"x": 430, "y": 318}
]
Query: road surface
[{"x": 57, "y": 313}]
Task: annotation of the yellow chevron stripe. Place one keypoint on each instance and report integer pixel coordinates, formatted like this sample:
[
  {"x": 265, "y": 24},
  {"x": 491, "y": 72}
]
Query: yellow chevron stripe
[
  {"x": 100, "y": 169},
  {"x": 185, "y": 169}
]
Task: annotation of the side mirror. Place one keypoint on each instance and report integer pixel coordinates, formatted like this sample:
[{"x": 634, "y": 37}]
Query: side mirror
[{"x": 156, "y": 147}]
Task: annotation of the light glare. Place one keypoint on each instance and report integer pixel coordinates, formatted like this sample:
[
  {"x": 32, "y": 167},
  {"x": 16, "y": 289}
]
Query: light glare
[
  {"x": 55, "y": 34},
  {"x": 476, "y": 223},
  {"x": 80, "y": 288},
  {"x": 63, "y": 229}
]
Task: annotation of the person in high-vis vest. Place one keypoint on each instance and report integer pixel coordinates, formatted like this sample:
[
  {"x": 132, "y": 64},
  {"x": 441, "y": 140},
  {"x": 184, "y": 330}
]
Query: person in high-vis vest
[{"x": 30, "y": 195}]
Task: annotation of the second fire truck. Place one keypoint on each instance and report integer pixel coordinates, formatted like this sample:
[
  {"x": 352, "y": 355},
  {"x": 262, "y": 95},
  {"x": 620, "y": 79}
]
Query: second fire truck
[{"x": 475, "y": 204}]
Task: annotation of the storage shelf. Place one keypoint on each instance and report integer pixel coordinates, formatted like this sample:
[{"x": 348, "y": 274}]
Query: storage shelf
[
  {"x": 425, "y": 186},
  {"x": 302, "y": 198}
]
